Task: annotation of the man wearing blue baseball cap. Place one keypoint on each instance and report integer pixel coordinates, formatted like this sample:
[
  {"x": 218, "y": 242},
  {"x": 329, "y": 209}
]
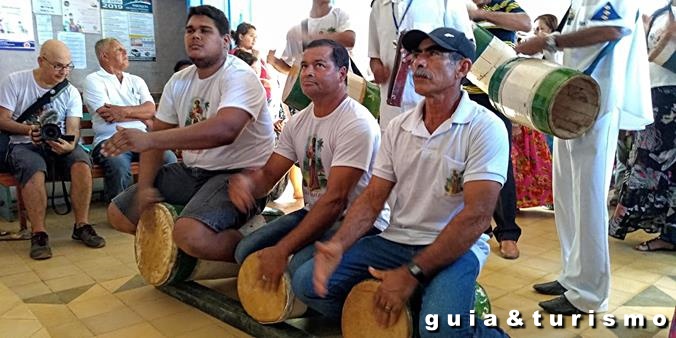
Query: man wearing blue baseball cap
[{"x": 443, "y": 163}]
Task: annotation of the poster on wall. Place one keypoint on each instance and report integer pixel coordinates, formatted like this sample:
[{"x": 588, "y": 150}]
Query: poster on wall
[
  {"x": 16, "y": 25},
  {"x": 52, "y": 7},
  {"x": 76, "y": 44},
  {"x": 45, "y": 28},
  {"x": 81, "y": 16},
  {"x": 132, "y": 23}
]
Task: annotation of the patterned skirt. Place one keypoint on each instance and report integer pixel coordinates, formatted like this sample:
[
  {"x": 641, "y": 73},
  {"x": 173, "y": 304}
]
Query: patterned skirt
[
  {"x": 647, "y": 197},
  {"x": 532, "y": 164}
]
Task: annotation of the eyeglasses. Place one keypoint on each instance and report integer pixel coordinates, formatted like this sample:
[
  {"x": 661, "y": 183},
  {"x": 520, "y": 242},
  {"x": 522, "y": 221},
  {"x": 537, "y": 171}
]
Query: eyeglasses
[{"x": 59, "y": 67}]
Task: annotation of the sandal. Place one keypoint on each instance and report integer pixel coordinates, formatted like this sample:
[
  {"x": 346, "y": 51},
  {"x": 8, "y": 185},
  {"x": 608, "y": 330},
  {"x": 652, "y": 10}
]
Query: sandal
[{"x": 652, "y": 245}]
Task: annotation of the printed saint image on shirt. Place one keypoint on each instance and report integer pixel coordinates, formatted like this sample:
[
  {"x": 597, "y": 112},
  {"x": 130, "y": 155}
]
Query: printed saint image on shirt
[
  {"x": 197, "y": 111},
  {"x": 453, "y": 183},
  {"x": 314, "y": 176}
]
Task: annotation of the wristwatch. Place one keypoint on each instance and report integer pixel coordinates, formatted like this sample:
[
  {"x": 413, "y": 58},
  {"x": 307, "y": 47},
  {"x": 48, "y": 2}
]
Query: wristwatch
[
  {"x": 550, "y": 43},
  {"x": 416, "y": 271}
]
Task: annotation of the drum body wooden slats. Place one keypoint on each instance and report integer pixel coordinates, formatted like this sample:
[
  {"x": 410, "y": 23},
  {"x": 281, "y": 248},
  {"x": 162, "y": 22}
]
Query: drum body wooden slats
[
  {"x": 264, "y": 306},
  {"x": 491, "y": 53},
  {"x": 161, "y": 262},
  {"x": 545, "y": 96}
]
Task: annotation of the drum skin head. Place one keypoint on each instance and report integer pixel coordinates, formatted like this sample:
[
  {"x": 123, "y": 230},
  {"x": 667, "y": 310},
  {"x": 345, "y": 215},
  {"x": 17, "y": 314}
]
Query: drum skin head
[
  {"x": 263, "y": 306},
  {"x": 359, "y": 319},
  {"x": 154, "y": 244}
]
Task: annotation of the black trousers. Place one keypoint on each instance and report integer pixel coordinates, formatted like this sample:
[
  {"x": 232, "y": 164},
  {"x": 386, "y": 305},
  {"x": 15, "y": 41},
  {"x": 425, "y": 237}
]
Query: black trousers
[{"x": 505, "y": 211}]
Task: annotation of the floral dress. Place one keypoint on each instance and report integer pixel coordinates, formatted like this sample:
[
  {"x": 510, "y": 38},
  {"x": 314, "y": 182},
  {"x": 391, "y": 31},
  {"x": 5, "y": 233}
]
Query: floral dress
[{"x": 532, "y": 163}]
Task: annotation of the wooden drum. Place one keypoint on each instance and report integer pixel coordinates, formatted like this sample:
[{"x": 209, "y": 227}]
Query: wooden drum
[
  {"x": 545, "y": 96},
  {"x": 264, "y": 306},
  {"x": 161, "y": 262},
  {"x": 362, "y": 91},
  {"x": 490, "y": 54},
  {"x": 358, "y": 319}
]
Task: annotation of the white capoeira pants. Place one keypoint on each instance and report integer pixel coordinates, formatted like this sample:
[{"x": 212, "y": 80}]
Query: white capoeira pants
[{"x": 582, "y": 171}]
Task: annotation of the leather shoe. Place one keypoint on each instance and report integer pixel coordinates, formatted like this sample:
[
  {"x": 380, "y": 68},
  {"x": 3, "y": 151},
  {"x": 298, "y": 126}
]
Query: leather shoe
[
  {"x": 509, "y": 250},
  {"x": 553, "y": 288},
  {"x": 560, "y": 305}
]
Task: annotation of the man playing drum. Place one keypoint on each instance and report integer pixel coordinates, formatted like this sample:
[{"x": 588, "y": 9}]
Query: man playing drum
[
  {"x": 606, "y": 40},
  {"x": 216, "y": 111},
  {"x": 443, "y": 163},
  {"x": 335, "y": 140}
]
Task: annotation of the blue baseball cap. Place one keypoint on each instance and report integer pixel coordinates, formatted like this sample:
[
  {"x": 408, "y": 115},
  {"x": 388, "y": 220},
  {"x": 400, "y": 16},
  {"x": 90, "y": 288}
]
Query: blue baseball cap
[{"x": 447, "y": 38}]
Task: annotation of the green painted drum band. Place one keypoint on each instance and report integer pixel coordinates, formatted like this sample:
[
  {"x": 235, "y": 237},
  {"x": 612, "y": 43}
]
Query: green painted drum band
[
  {"x": 498, "y": 76},
  {"x": 372, "y": 99},
  {"x": 483, "y": 38},
  {"x": 545, "y": 96},
  {"x": 296, "y": 98},
  {"x": 482, "y": 305},
  {"x": 183, "y": 267}
]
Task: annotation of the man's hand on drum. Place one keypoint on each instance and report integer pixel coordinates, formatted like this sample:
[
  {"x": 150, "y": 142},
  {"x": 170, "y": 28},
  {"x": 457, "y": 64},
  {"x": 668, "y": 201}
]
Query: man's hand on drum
[
  {"x": 147, "y": 196},
  {"x": 531, "y": 46},
  {"x": 127, "y": 139},
  {"x": 240, "y": 190},
  {"x": 273, "y": 265},
  {"x": 395, "y": 289},
  {"x": 327, "y": 258}
]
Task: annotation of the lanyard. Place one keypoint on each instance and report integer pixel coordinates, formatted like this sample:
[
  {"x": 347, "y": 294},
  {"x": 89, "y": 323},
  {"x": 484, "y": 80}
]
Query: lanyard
[{"x": 394, "y": 16}]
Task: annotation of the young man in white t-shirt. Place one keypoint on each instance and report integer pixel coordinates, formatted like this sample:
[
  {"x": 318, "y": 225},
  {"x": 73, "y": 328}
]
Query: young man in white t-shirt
[
  {"x": 335, "y": 140},
  {"x": 443, "y": 164},
  {"x": 30, "y": 155},
  {"x": 216, "y": 112},
  {"x": 115, "y": 98},
  {"x": 324, "y": 22}
]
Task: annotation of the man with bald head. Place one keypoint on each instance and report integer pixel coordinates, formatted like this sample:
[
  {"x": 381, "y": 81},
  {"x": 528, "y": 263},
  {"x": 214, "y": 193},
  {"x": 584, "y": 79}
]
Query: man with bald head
[
  {"x": 30, "y": 154},
  {"x": 115, "y": 98}
]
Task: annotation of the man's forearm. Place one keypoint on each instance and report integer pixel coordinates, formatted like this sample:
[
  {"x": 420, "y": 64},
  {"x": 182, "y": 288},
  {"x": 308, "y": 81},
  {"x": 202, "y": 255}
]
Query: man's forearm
[
  {"x": 319, "y": 219},
  {"x": 454, "y": 241},
  {"x": 346, "y": 38},
  {"x": 143, "y": 111},
  {"x": 203, "y": 135},
  {"x": 360, "y": 218},
  {"x": 589, "y": 36},
  {"x": 509, "y": 21},
  {"x": 14, "y": 128},
  {"x": 149, "y": 163}
]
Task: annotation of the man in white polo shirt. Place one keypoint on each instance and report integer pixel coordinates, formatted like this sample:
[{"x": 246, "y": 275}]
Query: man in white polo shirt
[
  {"x": 216, "y": 111},
  {"x": 115, "y": 98},
  {"x": 444, "y": 163}
]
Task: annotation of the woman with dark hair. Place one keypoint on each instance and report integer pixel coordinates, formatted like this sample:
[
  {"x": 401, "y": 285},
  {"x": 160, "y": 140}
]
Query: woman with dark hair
[{"x": 245, "y": 40}]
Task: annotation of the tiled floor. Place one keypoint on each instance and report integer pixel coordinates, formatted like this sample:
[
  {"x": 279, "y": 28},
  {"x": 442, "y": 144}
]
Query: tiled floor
[{"x": 84, "y": 292}]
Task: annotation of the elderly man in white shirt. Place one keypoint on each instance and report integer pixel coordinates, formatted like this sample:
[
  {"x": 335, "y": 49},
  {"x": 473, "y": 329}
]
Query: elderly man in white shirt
[{"x": 115, "y": 98}]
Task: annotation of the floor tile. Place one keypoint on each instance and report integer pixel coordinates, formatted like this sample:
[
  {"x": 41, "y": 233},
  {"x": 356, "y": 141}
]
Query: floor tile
[
  {"x": 180, "y": 323},
  {"x": 113, "y": 320},
  {"x": 52, "y": 314},
  {"x": 75, "y": 329},
  {"x": 95, "y": 306},
  {"x": 144, "y": 330},
  {"x": 18, "y": 328},
  {"x": 69, "y": 282}
]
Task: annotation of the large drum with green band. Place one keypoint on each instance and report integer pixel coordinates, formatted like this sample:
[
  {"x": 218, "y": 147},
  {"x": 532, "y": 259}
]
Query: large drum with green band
[
  {"x": 358, "y": 319},
  {"x": 364, "y": 92},
  {"x": 490, "y": 54},
  {"x": 161, "y": 262},
  {"x": 545, "y": 96}
]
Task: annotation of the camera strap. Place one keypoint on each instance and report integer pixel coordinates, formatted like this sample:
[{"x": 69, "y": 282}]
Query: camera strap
[{"x": 43, "y": 100}]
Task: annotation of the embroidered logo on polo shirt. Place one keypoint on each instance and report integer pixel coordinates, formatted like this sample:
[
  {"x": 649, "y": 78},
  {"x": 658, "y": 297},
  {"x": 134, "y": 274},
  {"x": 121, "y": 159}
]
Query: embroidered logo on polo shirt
[
  {"x": 607, "y": 12},
  {"x": 454, "y": 183}
]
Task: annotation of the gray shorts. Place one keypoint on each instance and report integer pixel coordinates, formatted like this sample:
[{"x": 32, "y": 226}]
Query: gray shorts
[
  {"x": 26, "y": 159},
  {"x": 204, "y": 194}
]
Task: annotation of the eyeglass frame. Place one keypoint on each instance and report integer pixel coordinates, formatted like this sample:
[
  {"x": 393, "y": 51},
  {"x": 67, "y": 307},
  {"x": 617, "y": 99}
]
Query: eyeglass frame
[{"x": 69, "y": 67}]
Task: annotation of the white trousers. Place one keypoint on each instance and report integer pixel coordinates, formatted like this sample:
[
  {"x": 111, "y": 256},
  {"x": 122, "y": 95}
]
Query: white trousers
[{"x": 582, "y": 171}]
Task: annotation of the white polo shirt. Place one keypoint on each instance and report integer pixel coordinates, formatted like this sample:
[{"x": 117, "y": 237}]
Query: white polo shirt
[
  {"x": 424, "y": 15},
  {"x": 623, "y": 74},
  {"x": 102, "y": 87},
  {"x": 429, "y": 170}
]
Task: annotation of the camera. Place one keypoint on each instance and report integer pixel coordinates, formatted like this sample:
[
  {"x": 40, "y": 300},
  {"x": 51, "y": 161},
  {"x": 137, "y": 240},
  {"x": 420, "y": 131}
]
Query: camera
[{"x": 50, "y": 132}]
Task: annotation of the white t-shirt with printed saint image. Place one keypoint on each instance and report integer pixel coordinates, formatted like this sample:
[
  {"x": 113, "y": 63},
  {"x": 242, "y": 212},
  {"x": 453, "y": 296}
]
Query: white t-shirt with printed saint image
[
  {"x": 18, "y": 91},
  {"x": 187, "y": 99},
  {"x": 347, "y": 137}
]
